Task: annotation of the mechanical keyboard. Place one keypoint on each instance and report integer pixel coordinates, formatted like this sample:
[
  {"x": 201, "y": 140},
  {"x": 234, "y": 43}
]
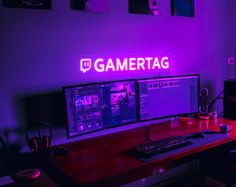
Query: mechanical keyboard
[{"x": 161, "y": 146}]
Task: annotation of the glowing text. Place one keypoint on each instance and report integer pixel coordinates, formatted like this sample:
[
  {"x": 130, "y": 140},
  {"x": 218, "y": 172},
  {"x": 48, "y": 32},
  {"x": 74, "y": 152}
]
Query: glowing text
[{"x": 125, "y": 64}]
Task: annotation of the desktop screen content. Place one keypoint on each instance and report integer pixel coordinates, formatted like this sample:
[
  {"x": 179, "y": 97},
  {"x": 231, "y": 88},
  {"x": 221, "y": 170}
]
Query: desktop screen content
[
  {"x": 163, "y": 97},
  {"x": 99, "y": 106}
]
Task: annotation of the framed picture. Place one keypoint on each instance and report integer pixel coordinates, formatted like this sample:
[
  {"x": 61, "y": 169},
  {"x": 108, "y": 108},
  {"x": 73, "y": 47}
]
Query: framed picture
[
  {"x": 182, "y": 8},
  {"x": 143, "y": 7},
  {"x": 101, "y": 6},
  {"x": 34, "y": 4}
]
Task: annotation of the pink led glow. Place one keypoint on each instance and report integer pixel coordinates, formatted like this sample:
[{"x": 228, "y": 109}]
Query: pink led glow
[
  {"x": 124, "y": 64},
  {"x": 161, "y": 170},
  {"x": 231, "y": 60},
  {"x": 203, "y": 124}
]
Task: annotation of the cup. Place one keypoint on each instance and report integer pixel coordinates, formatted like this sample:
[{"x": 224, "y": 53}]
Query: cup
[{"x": 225, "y": 128}]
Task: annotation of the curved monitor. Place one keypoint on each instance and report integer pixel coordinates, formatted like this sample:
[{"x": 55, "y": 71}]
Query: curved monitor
[
  {"x": 169, "y": 96},
  {"x": 98, "y": 106}
]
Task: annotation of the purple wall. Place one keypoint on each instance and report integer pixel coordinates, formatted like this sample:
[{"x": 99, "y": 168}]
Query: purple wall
[{"x": 39, "y": 47}]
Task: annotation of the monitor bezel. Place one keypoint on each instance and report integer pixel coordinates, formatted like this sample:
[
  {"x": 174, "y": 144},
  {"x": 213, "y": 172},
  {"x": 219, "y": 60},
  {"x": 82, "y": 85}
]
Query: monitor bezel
[
  {"x": 168, "y": 116},
  {"x": 100, "y": 83}
]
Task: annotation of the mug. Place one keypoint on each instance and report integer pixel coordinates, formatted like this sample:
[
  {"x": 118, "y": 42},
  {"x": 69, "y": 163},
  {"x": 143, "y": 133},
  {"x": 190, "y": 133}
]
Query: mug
[{"x": 225, "y": 128}]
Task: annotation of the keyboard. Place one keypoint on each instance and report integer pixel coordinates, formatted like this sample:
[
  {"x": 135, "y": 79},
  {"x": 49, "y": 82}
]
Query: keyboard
[{"x": 161, "y": 146}]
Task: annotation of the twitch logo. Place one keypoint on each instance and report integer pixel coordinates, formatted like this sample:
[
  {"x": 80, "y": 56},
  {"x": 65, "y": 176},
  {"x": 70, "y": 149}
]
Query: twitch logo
[
  {"x": 124, "y": 64},
  {"x": 85, "y": 65}
]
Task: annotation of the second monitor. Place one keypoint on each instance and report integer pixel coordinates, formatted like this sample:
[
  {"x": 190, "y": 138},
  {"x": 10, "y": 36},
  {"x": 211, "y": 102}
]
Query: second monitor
[{"x": 171, "y": 96}]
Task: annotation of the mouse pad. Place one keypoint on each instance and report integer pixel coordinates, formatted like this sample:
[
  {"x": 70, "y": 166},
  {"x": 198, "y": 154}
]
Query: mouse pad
[{"x": 195, "y": 143}]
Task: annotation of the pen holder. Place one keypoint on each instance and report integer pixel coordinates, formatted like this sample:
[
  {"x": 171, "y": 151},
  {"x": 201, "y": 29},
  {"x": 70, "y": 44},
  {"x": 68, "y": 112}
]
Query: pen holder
[{"x": 225, "y": 128}]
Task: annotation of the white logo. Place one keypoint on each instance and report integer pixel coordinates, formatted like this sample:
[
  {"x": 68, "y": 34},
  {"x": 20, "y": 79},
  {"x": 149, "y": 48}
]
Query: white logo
[
  {"x": 124, "y": 64},
  {"x": 85, "y": 65}
]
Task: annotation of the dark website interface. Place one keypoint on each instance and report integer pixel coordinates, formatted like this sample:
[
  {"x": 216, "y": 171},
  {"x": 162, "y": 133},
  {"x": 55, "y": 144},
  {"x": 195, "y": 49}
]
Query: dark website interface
[{"x": 98, "y": 106}]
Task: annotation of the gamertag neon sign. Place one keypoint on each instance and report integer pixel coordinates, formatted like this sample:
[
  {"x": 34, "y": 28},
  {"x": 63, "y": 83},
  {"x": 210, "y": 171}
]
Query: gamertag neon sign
[{"x": 124, "y": 64}]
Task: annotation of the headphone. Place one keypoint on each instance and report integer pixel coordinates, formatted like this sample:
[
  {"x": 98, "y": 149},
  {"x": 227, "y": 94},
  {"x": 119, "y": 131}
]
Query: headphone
[{"x": 41, "y": 142}]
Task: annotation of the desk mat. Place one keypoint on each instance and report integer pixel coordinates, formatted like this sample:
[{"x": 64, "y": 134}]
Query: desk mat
[{"x": 195, "y": 143}]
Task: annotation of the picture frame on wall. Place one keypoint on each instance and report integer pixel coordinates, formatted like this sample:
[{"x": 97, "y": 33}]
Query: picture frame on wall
[
  {"x": 182, "y": 8},
  {"x": 148, "y": 7},
  {"x": 33, "y": 4},
  {"x": 99, "y": 6}
]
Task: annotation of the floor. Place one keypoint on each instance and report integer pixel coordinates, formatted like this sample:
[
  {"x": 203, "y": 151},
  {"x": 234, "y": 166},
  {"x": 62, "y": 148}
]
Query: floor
[{"x": 195, "y": 181}]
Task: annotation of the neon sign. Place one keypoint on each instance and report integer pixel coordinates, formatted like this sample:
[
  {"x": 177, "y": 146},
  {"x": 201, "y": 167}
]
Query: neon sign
[{"x": 124, "y": 64}]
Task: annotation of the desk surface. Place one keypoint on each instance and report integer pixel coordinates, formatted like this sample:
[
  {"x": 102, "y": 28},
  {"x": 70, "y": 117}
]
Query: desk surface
[
  {"x": 104, "y": 161},
  {"x": 43, "y": 180}
]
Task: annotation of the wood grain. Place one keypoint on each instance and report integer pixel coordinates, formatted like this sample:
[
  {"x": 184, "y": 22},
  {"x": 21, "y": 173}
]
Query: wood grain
[{"x": 104, "y": 161}]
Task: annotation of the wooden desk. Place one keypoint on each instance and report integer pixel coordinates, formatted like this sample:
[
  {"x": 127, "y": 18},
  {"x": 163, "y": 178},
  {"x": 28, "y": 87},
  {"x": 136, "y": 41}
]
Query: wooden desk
[
  {"x": 103, "y": 161},
  {"x": 43, "y": 180}
]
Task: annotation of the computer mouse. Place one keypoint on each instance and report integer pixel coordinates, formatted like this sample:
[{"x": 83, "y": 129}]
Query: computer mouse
[
  {"x": 29, "y": 174},
  {"x": 197, "y": 135}
]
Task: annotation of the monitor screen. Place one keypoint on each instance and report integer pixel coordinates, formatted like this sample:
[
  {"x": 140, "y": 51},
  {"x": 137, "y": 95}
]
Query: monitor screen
[
  {"x": 170, "y": 96},
  {"x": 97, "y": 106}
]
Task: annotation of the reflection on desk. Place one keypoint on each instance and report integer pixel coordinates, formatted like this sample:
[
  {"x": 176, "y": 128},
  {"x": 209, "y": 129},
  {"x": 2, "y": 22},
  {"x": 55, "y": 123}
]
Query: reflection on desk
[{"x": 104, "y": 161}]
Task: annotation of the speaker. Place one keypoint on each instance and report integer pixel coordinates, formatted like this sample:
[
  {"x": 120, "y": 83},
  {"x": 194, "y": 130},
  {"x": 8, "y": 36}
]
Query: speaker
[
  {"x": 230, "y": 99},
  {"x": 204, "y": 101}
]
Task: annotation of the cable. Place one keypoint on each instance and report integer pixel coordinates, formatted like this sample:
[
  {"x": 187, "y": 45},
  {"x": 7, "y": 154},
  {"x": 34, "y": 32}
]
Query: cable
[
  {"x": 19, "y": 173},
  {"x": 215, "y": 99},
  {"x": 12, "y": 158}
]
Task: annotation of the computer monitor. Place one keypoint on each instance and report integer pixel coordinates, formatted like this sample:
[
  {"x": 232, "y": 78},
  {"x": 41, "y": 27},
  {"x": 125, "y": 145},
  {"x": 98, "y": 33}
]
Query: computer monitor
[
  {"x": 95, "y": 107},
  {"x": 170, "y": 96}
]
